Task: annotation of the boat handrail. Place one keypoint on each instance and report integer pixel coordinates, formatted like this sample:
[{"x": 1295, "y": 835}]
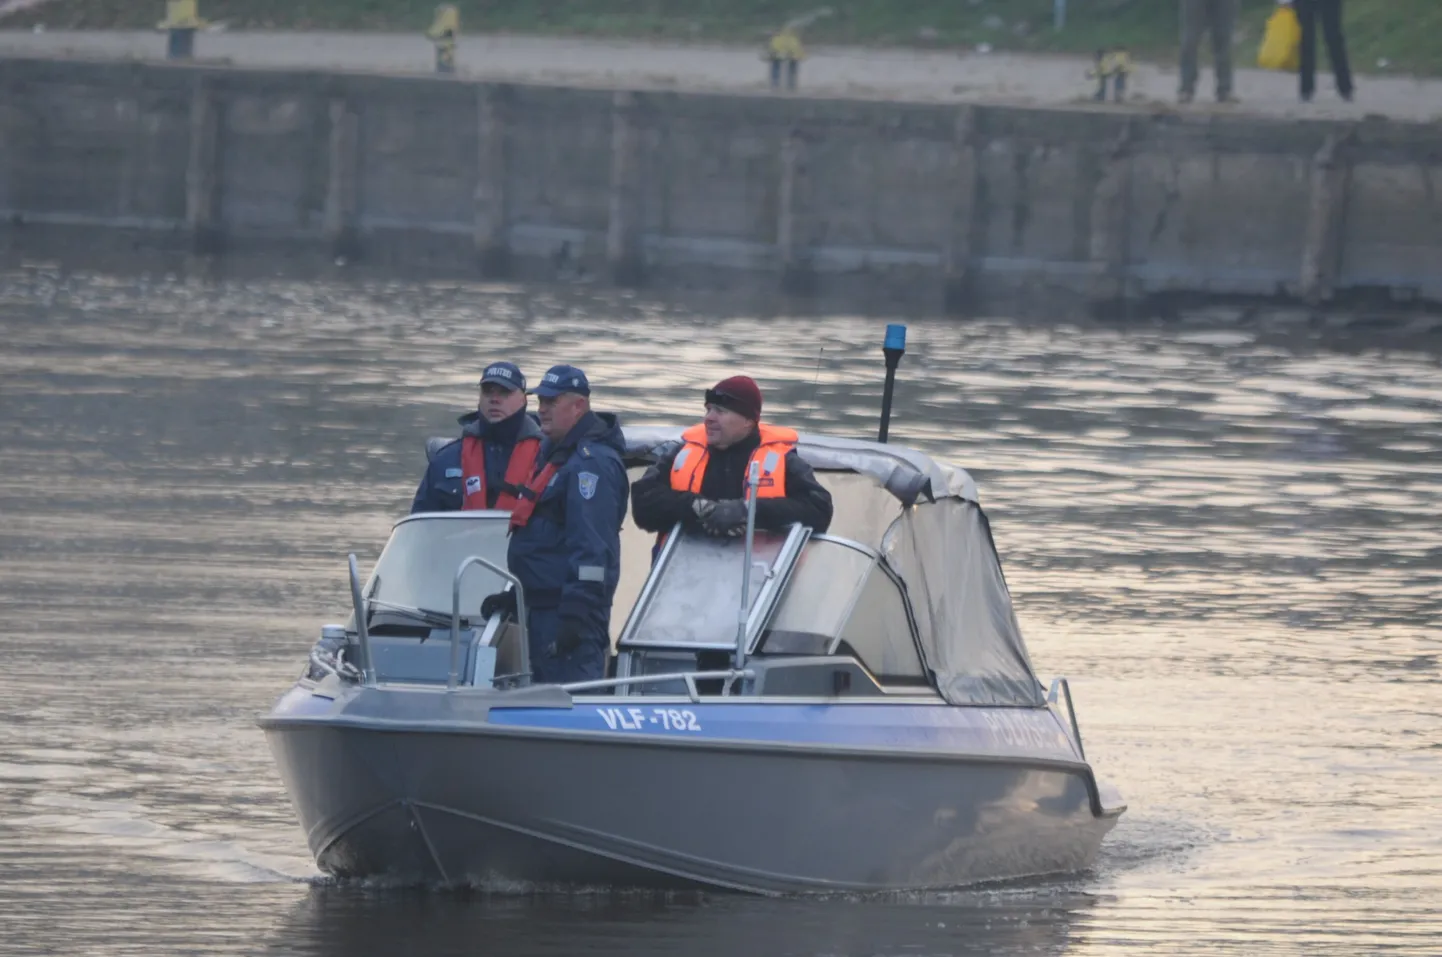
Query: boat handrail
[
  {"x": 454, "y": 675},
  {"x": 1064, "y": 686},
  {"x": 368, "y": 667},
  {"x": 743, "y": 609},
  {"x": 690, "y": 677}
]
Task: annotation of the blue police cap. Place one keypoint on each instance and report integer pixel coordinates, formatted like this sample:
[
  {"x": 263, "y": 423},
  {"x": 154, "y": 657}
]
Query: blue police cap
[
  {"x": 504, "y": 373},
  {"x": 561, "y": 379}
]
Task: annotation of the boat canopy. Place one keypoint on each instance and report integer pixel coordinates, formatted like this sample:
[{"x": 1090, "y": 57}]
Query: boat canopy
[{"x": 925, "y": 520}]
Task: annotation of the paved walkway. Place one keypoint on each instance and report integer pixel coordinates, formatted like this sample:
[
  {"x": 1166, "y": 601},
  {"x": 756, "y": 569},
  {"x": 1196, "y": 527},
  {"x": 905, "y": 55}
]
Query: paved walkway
[{"x": 834, "y": 71}]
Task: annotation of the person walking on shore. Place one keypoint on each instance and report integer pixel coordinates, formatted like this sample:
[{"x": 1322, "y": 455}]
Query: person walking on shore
[
  {"x": 1207, "y": 16},
  {"x": 1330, "y": 13}
]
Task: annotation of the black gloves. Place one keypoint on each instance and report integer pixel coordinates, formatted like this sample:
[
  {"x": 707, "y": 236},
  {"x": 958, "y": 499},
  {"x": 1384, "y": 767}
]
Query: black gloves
[
  {"x": 703, "y": 507},
  {"x": 569, "y": 636},
  {"x": 725, "y": 519},
  {"x": 502, "y": 601}
]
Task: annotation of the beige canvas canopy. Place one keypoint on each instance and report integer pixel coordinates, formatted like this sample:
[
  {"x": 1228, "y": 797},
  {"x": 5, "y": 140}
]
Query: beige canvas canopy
[{"x": 924, "y": 518}]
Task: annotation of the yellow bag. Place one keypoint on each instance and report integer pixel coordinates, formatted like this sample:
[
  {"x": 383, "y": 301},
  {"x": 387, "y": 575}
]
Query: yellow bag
[{"x": 1282, "y": 43}]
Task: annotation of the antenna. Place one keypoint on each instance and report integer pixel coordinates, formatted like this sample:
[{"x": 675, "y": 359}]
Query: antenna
[{"x": 893, "y": 348}]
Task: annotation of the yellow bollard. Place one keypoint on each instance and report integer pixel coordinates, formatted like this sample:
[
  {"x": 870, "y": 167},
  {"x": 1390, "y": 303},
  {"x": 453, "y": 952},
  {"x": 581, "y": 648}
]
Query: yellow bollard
[
  {"x": 443, "y": 33},
  {"x": 785, "y": 47},
  {"x": 181, "y": 21},
  {"x": 1112, "y": 66}
]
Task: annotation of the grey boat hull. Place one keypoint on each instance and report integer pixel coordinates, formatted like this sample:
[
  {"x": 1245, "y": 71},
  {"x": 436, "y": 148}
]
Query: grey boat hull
[{"x": 459, "y": 799}]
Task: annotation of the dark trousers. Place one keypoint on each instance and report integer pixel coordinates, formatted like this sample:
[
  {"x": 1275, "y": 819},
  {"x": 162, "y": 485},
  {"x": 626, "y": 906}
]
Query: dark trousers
[
  {"x": 1330, "y": 13},
  {"x": 586, "y": 663},
  {"x": 1216, "y": 17}
]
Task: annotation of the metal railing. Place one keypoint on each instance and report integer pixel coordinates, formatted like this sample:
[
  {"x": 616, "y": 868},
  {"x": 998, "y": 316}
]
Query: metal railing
[
  {"x": 689, "y": 677},
  {"x": 743, "y": 612},
  {"x": 1064, "y": 687},
  {"x": 368, "y": 666},
  {"x": 454, "y": 676}
]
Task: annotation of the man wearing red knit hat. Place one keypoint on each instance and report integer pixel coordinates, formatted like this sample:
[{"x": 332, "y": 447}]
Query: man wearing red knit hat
[{"x": 702, "y": 484}]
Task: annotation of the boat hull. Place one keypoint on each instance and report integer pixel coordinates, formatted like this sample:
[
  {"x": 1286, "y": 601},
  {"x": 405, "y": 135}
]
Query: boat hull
[{"x": 600, "y": 795}]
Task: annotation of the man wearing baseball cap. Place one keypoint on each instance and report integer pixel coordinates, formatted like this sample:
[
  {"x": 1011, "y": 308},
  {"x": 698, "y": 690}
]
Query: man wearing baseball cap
[
  {"x": 566, "y": 533},
  {"x": 702, "y": 484},
  {"x": 495, "y": 455}
]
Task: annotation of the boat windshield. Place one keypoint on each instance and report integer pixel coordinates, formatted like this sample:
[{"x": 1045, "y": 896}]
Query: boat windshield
[
  {"x": 694, "y": 594},
  {"x": 418, "y": 565},
  {"x": 841, "y": 598},
  {"x": 809, "y": 595}
]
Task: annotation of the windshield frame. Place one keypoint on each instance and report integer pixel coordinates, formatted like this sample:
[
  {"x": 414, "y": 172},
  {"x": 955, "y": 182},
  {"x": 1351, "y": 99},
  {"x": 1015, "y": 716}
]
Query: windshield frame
[{"x": 475, "y": 516}]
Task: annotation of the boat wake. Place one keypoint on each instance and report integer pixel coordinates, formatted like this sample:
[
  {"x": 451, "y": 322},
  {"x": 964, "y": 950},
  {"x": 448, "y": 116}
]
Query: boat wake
[{"x": 130, "y": 827}]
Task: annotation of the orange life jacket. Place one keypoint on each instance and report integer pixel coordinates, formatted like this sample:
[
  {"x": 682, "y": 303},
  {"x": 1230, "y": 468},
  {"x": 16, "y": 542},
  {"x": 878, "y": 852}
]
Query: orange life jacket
[
  {"x": 529, "y": 494},
  {"x": 688, "y": 469},
  {"x": 518, "y": 473}
]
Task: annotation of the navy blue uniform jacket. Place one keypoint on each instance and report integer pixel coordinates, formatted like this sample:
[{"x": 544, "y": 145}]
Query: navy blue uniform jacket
[{"x": 568, "y": 556}]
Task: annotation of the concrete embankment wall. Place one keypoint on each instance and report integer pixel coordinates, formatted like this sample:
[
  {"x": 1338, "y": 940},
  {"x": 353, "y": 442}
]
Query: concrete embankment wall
[{"x": 972, "y": 206}]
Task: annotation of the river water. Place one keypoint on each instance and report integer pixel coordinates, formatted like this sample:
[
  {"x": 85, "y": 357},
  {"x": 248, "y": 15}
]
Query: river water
[{"x": 1227, "y": 537}]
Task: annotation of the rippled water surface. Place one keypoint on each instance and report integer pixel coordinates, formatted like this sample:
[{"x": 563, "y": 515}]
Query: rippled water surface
[{"x": 1228, "y": 538}]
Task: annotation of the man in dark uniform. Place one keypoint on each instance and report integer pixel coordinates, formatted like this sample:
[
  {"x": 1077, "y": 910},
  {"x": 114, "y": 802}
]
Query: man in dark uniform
[
  {"x": 495, "y": 454},
  {"x": 566, "y": 533},
  {"x": 701, "y": 483}
]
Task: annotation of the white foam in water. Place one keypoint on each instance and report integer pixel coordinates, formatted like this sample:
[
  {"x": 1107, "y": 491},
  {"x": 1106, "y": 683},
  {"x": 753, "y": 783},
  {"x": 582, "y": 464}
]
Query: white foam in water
[
  {"x": 40, "y": 772},
  {"x": 127, "y": 826}
]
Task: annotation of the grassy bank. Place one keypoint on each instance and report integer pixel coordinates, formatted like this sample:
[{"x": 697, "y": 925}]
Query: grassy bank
[{"x": 1385, "y": 36}]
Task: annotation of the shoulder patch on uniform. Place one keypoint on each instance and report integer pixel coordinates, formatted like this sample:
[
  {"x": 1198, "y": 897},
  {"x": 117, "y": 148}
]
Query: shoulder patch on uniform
[{"x": 587, "y": 484}]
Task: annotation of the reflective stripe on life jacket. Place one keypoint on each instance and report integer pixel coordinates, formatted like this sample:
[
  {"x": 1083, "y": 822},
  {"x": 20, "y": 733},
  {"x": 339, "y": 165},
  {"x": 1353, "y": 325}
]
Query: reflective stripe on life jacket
[
  {"x": 688, "y": 470},
  {"x": 529, "y": 494},
  {"x": 473, "y": 473}
]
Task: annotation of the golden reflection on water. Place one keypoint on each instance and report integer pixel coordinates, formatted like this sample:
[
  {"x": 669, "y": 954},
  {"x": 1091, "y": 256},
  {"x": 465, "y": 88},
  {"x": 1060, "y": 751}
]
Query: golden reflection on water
[{"x": 1227, "y": 538}]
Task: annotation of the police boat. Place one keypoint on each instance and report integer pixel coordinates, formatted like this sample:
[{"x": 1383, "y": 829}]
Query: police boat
[{"x": 876, "y": 725}]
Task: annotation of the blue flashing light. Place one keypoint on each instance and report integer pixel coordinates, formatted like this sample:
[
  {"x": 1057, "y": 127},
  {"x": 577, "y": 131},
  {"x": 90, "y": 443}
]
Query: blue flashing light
[{"x": 895, "y": 337}]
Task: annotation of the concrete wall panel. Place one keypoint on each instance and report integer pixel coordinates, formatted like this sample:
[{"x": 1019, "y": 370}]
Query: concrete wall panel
[
  {"x": 1223, "y": 222},
  {"x": 707, "y": 179},
  {"x": 153, "y": 177},
  {"x": 1031, "y": 193},
  {"x": 418, "y": 162},
  {"x": 66, "y": 148},
  {"x": 560, "y": 172},
  {"x": 873, "y": 189},
  {"x": 1104, "y": 202},
  {"x": 1393, "y": 227},
  {"x": 270, "y": 177}
]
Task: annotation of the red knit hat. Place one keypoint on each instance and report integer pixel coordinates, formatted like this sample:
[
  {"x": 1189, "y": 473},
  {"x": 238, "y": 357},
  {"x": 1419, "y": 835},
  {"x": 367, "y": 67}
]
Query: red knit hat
[{"x": 739, "y": 393}]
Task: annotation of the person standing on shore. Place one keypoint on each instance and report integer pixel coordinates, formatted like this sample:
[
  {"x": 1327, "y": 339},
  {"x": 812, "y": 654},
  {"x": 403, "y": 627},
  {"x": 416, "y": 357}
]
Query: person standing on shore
[
  {"x": 1207, "y": 16},
  {"x": 1330, "y": 13}
]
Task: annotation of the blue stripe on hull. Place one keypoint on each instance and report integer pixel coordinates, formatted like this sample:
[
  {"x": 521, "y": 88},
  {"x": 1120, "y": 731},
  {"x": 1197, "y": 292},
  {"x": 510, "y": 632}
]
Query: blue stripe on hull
[{"x": 1003, "y": 732}]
